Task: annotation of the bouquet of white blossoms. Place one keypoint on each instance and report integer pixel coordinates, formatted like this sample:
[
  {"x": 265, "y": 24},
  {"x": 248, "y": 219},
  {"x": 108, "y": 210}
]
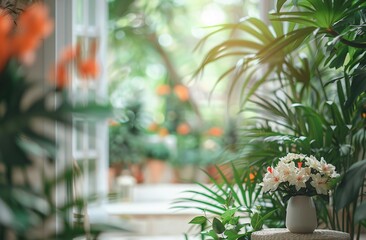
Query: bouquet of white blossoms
[{"x": 298, "y": 174}]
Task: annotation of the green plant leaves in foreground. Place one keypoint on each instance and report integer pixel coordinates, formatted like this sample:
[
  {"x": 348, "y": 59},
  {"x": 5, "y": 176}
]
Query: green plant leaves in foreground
[
  {"x": 349, "y": 188},
  {"x": 217, "y": 226}
]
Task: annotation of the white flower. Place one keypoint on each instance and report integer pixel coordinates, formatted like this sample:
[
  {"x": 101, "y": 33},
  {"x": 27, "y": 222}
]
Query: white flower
[
  {"x": 312, "y": 162},
  {"x": 271, "y": 180},
  {"x": 327, "y": 168},
  {"x": 299, "y": 179},
  {"x": 286, "y": 170},
  {"x": 297, "y": 170},
  {"x": 319, "y": 183},
  {"x": 291, "y": 157}
]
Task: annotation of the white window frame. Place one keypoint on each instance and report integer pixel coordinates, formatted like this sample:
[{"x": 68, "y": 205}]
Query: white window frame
[
  {"x": 63, "y": 14},
  {"x": 100, "y": 153}
]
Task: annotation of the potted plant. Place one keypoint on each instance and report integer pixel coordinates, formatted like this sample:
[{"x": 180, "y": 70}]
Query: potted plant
[
  {"x": 157, "y": 154},
  {"x": 299, "y": 177},
  {"x": 126, "y": 142}
]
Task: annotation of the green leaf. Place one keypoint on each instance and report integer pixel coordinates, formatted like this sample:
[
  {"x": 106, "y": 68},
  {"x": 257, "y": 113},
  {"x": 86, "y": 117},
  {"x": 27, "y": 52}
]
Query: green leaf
[
  {"x": 217, "y": 226},
  {"x": 212, "y": 234},
  {"x": 349, "y": 188},
  {"x": 227, "y": 215},
  {"x": 256, "y": 222},
  {"x": 360, "y": 212},
  {"x": 231, "y": 234},
  {"x": 269, "y": 214},
  {"x": 199, "y": 220},
  {"x": 280, "y": 4}
]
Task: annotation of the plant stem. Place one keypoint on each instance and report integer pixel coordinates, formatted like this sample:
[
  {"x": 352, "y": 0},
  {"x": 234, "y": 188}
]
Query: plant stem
[{"x": 345, "y": 41}]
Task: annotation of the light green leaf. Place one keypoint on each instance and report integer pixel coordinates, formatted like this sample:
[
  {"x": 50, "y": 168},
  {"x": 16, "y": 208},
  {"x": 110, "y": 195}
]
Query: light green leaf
[
  {"x": 199, "y": 220},
  {"x": 280, "y": 4}
]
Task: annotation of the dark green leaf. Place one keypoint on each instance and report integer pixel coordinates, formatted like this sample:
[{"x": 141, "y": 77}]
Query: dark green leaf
[
  {"x": 349, "y": 188},
  {"x": 360, "y": 212},
  {"x": 217, "y": 226}
]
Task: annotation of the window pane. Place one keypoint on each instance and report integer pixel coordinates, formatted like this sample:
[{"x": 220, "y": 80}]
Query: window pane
[
  {"x": 78, "y": 135},
  {"x": 79, "y": 12},
  {"x": 92, "y": 131},
  {"x": 91, "y": 13}
]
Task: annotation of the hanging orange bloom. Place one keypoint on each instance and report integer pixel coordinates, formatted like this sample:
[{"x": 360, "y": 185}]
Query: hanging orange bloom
[
  {"x": 60, "y": 75},
  {"x": 5, "y": 27},
  {"x": 33, "y": 25},
  {"x": 89, "y": 68},
  {"x": 215, "y": 131},
  {"x": 181, "y": 92},
  {"x": 163, "y": 90},
  {"x": 183, "y": 129},
  {"x": 68, "y": 55},
  {"x": 163, "y": 132}
]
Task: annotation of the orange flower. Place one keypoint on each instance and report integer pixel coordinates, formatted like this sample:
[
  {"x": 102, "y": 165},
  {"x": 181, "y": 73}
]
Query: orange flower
[
  {"x": 251, "y": 177},
  {"x": 89, "y": 68},
  {"x": 163, "y": 90},
  {"x": 183, "y": 129},
  {"x": 60, "y": 76},
  {"x": 68, "y": 54},
  {"x": 60, "y": 73},
  {"x": 5, "y": 23},
  {"x": 33, "y": 25},
  {"x": 163, "y": 132},
  {"x": 215, "y": 131},
  {"x": 181, "y": 92},
  {"x": 299, "y": 165},
  {"x": 5, "y": 27},
  {"x": 153, "y": 127}
]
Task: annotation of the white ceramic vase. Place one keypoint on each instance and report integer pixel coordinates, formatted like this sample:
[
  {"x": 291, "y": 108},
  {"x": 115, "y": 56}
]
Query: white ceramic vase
[{"x": 301, "y": 215}]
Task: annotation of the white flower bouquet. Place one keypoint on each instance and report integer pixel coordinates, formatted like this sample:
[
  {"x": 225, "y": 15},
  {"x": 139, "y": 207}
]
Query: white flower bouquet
[{"x": 298, "y": 174}]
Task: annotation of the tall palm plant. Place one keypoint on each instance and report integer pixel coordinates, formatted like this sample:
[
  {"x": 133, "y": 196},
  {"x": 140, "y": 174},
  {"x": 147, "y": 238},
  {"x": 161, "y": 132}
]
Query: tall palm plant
[{"x": 311, "y": 56}]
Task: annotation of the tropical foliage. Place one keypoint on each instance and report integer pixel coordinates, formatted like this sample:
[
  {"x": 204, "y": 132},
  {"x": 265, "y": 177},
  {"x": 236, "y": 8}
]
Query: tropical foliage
[
  {"x": 226, "y": 204},
  {"x": 301, "y": 81}
]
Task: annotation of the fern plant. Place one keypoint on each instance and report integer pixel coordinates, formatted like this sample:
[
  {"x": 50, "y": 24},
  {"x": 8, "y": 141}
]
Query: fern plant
[{"x": 227, "y": 205}]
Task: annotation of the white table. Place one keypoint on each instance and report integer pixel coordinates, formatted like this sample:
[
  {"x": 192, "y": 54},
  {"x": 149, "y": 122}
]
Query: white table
[{"x": 284, "y": 234}]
